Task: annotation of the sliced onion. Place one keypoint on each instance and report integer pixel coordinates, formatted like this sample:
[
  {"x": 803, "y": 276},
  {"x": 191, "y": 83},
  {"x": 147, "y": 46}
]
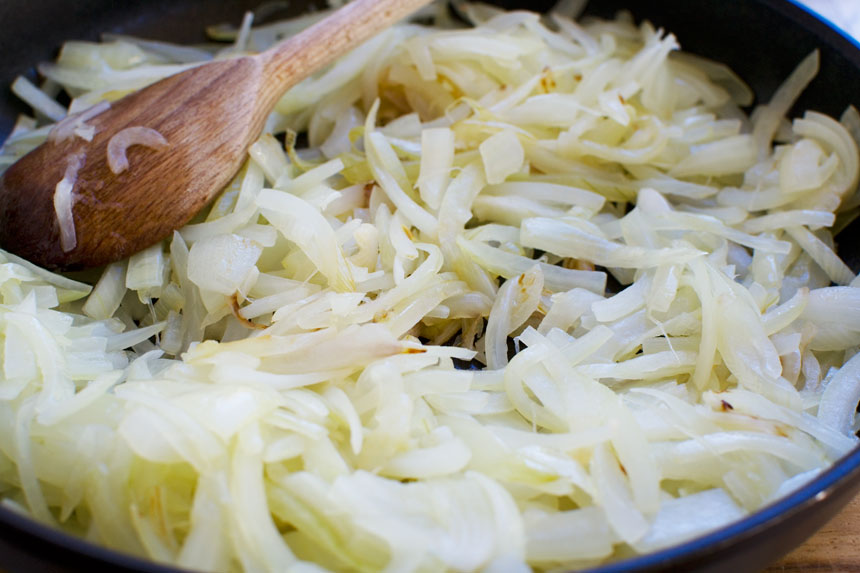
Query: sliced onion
[
  {"x": 75, "y": 124},
  {"x": 137, "y": 135},
  {"x": 280, "y": 383},
  {"x": 64, "y": 200}
]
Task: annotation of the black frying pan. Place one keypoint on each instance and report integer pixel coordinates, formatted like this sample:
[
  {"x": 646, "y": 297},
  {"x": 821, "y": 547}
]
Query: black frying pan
[{"x": 762, "y": 40}]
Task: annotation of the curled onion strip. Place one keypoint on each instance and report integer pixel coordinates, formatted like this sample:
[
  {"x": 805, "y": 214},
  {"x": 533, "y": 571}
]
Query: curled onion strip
[{"x": 137, "y": 135}]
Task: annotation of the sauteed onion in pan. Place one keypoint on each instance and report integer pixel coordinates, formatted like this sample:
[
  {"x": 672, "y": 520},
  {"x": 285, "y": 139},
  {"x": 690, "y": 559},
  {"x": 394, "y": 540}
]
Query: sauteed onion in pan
[{"x": 530, "y": 293}]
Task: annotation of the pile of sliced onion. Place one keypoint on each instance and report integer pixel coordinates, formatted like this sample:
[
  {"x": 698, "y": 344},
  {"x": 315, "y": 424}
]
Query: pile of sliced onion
[{"x": 537, "y": 293}]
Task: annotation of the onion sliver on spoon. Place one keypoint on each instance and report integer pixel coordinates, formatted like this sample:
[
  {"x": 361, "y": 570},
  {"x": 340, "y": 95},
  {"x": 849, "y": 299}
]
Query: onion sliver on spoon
[{"x": 206, "y": 118}]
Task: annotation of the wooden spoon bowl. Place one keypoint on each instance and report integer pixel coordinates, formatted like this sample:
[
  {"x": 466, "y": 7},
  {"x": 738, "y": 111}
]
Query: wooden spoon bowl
[{"x": 209, "y": 116}]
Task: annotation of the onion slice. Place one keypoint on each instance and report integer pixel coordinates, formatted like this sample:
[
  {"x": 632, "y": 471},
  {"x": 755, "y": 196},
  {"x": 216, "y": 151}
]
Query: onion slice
[
  {"x": 136, "y": 135},
  {"x": 64, "y": 200},
  {"x": 75, "y": 124}
]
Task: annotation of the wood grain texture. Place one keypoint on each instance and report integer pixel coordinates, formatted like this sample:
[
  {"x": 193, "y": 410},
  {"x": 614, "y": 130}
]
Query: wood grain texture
[
  {"x": 834, "y": 548},
  {"x": 209, "y": 115}
]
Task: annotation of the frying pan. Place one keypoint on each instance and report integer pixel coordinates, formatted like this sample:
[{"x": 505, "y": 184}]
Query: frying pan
[{"x": 762, "y": 40}]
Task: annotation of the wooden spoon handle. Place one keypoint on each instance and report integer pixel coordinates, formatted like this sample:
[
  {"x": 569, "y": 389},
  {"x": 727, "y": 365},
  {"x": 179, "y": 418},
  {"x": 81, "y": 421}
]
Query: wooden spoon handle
[{"x": 292, "y": 60}]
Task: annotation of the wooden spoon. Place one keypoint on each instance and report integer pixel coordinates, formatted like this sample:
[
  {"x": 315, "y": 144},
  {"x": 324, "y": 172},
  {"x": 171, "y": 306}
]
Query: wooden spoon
[{"x": 209, "y": 115}]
